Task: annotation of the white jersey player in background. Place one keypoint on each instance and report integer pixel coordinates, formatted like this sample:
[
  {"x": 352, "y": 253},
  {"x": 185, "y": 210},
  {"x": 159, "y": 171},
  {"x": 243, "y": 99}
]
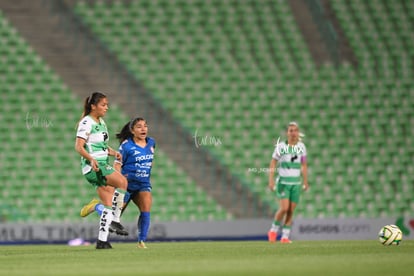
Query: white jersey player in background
[{"x": 289, "y": 157}]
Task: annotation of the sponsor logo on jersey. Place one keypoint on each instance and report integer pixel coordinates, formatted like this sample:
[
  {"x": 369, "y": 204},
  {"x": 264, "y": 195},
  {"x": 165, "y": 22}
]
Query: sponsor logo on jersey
[{"x": 144, "y": 157}]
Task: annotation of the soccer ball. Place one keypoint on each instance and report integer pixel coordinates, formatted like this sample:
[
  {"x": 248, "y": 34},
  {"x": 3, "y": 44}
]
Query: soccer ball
[{"x": 390, "y": 235}]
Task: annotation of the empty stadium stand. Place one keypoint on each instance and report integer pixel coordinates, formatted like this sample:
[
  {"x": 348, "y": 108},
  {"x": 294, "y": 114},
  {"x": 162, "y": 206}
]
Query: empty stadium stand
[
  {"x": 41, "y": 178},
  {"x": 241, "y": 71},
  {"x": 235, "y": 73}
]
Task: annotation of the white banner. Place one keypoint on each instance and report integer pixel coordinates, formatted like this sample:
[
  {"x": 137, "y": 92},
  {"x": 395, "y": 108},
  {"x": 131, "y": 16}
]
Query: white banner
[
  {"x": 343, "y": 229},
  {"x": 247, "y": 229}
]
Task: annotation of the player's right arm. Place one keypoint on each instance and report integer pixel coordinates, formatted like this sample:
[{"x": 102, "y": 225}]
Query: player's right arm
[
  {"x": 82, "y": 135},
  {"x": 80, "y": 148},
  {"x": 272, "y": 169}
]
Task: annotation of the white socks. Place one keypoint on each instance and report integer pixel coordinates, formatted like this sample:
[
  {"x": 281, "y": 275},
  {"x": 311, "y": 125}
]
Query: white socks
[
  {"x": 105, "y": 221},
  {"x": 117, "y": 204},
  {"x": 286, "y": 232}
]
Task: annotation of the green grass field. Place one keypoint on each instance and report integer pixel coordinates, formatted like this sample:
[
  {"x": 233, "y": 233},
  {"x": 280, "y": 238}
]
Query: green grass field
[{"x": 212, "y": 258}]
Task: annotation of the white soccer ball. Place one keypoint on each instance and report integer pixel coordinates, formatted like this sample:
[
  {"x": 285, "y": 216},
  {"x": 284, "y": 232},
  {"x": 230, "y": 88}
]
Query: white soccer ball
[{"x": 390, "y": 235}]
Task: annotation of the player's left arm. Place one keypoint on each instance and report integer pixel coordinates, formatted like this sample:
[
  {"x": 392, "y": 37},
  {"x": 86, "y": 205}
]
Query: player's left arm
[{"x": 116, "y": 154}]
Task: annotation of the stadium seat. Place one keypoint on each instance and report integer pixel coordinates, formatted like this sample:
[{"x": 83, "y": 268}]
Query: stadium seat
[
  {"x": 55, "y": 190},
  {"x": 345, "y": 125}
]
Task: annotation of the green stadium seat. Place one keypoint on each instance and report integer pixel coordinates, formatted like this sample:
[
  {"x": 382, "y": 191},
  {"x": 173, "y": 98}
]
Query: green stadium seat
[{"x": 334, "y": 102}]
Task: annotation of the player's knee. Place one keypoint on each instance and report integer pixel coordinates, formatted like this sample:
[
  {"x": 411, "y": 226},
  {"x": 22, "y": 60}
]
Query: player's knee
[
  {"x": 283, "y": 210},
  {"x": 123, "y": 183}
]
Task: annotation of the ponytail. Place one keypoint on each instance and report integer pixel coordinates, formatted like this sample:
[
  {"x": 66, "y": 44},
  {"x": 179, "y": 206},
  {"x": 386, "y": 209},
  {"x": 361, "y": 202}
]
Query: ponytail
[
  {"x": 89, "y": 101},
  {"x": 124, "y": 134}
]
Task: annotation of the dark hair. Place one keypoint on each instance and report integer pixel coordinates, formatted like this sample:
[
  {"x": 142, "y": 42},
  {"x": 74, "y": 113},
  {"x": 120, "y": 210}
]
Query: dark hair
[
  {"x": 125, "y": 132},
  {"x": 91, "y": 100}
]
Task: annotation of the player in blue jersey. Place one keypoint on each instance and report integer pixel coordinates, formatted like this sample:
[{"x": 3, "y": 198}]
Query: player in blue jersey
[{"x": 137, "y": 150}]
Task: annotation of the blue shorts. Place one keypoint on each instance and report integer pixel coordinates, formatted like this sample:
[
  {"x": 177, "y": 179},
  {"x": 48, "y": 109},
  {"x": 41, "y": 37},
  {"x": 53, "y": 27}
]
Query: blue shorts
[{"x": 135, "y": 187}]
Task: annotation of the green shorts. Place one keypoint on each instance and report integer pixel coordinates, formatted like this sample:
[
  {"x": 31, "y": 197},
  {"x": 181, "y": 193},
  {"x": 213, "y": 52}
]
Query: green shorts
[
  {"x": 98, "y": 178},
  {"x": 291, "y": 192}
]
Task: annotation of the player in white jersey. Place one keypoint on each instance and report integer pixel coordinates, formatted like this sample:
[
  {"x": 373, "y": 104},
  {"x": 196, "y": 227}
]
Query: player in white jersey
[
  {"x": 92, "y": 144},
  {"x": 290, "y": 159}
]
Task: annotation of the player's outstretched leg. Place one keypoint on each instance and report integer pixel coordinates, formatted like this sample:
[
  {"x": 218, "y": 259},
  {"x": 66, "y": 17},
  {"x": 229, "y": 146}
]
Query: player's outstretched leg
[{"x": 93, "y": 205}]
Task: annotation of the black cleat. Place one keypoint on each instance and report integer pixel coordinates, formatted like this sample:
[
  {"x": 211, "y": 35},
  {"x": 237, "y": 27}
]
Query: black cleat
[
  {"x": 118, "y": 229},
  {"x": 103, "y": 245}
]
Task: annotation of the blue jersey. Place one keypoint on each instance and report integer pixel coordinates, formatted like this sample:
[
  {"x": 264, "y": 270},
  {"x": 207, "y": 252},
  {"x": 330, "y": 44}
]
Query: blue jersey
[{"x": 137, "y": 161}]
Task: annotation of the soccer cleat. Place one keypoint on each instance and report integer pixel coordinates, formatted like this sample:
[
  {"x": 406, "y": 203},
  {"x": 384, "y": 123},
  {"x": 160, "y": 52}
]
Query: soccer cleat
[
  {"x": 285, "y": 240},
  {"x": 118, "y": 229},
  {"x": 272, "y": 235},
  {"x": 89, "y": 208},
  {"x": 141, "y": 244},
  {"x": 103, "y": 245}
]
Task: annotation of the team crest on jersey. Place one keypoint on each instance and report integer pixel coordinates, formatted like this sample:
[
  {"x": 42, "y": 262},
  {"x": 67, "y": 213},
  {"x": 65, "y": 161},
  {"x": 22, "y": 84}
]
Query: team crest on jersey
[{"x": 152, "y": 149}]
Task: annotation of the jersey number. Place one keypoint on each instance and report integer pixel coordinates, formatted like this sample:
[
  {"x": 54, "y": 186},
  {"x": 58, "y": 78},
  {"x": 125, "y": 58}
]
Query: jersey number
[{"x": 292, "y": 159}]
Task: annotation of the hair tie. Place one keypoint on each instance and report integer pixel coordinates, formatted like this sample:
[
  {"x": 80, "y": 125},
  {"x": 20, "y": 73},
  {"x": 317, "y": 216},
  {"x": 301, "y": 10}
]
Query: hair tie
[
  {"x": 90, "y": 99},
  {"x": 131, "y": 124}
]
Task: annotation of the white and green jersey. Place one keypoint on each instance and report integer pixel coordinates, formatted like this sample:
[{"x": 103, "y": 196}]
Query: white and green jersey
[
  {"x": 96, "y": 137},
  {"x": 289, "y": 159}
]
